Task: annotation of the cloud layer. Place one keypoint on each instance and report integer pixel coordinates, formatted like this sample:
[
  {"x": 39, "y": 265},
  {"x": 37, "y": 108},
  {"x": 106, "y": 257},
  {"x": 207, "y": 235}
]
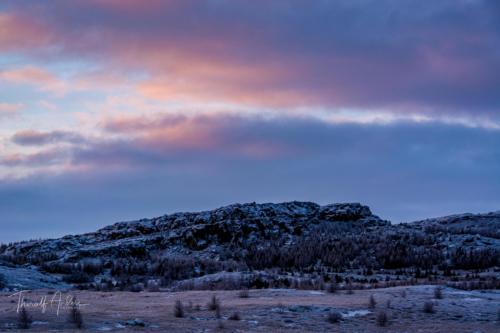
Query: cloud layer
[
  {"x": 121, "y": 109},
  {"x": 404, "y": 172},
  {"x": 407, "y": 57}
]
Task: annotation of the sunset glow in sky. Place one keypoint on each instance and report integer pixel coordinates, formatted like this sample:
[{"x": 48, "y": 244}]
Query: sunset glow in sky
[{"x": 121, "y": 109}]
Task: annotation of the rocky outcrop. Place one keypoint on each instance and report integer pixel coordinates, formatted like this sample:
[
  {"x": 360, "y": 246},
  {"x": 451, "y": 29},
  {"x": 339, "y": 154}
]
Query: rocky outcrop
[
  {"x": 486, "y": 225},
  {"x": 234, "y": 225}
]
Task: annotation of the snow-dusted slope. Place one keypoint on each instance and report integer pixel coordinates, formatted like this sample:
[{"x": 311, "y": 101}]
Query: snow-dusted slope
[
  {"x": 234, "y": 224},
  {"x": 290, "y": 236}
]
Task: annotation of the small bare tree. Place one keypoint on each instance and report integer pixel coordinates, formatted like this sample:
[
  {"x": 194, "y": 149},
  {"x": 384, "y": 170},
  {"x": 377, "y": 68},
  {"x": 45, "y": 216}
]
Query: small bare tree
[
  {"x": 438, "y": 293},
  {"x": 75, "y": 315},
  {"x": 371, "y": 302},
  {"x": 3, "y": 281},
  {"x": 213, "y": 305},
  {"x": 349, "y": 288},
  {"x": 382, "y": 318},
  {"x": 24, "y": 319},
  {"x": 178, "y": 309},
  {"x": 218, "y": 314}
]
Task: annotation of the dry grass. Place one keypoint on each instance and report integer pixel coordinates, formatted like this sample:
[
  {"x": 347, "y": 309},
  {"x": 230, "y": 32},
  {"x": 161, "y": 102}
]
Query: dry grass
[{"x": 263, "y": 315}]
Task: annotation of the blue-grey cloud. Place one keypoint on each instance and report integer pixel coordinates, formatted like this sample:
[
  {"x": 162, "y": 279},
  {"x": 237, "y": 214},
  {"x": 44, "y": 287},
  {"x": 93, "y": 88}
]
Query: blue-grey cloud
[
  {"x": 37, "y": 138},
  {"x": 47, "y": 157},
  {"x": 403, "y": 172}
]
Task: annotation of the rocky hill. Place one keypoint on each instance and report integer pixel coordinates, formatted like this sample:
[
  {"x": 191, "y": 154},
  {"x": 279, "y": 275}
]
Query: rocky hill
[
  {"x": 287, "y": 238},
  {"x": 487, "y": 225},
  {"x": 234, "y": 225}
]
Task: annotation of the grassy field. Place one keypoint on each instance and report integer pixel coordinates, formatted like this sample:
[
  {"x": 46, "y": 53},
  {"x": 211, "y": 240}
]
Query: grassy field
[{"x": 264, "y": 311}]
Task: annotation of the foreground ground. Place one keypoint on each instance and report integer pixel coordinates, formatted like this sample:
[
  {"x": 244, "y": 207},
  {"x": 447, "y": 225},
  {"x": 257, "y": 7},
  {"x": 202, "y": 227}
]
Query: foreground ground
[{"x": 267, "y": 311}]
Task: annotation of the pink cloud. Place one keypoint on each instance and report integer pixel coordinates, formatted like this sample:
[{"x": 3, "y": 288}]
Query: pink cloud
[
  {"x": 287, "y": 55},
  {"x": 168, "y": 132},
  {"x": 35, "y": 76},
  {"x": 206, "y": 133},
  {"x": 9, "y": 109},
  {"x": 154, "y": 138},
  {"x": 27, "y": 74},
  {"x": 19, "y": 31}
]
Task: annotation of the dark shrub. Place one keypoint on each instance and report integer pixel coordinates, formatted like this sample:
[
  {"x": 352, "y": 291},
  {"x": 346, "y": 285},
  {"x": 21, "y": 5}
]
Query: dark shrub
[
  {"x": 382, "y": 318},
  {"x": 24, "y": 319},
  {"x": 78, "y": 277},
  {"x": 75, "y": 316},
  {"x": 3, "y": 281},
  {"x": 332, "y": 288},
  {"x": 213, "y": 305},
  {"x": 136, "y": 288},
  {"x": 153, "y": 286},
  {"x": 234, "y": 316},
  {"x": 178, "y": 309},
  {"x": 429, "y": 307},
  {"x": 438, "y": 293},
  {"x": 349, "y": 289},
  {"x": 372, "y": 302},
  {"x": 218, "y": 314},
  {"x": 244, "y": 293},
  {"x": 334, "y": 317}
]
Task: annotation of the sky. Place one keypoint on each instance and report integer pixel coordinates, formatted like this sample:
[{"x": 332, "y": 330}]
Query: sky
[{"x": 114, "y": 110}]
